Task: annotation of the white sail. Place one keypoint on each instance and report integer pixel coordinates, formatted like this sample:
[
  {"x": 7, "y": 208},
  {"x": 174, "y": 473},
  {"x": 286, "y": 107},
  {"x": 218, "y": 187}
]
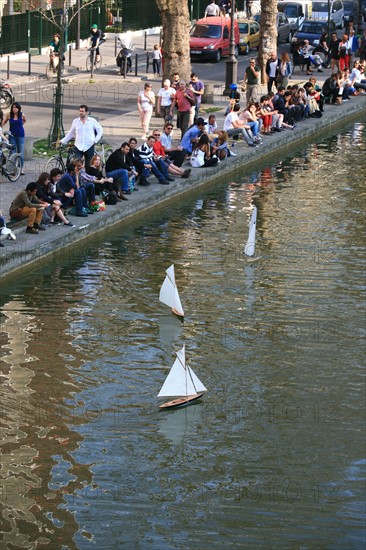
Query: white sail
[
  {"x": 181, "y": 380},
  {"x": 169, "y": 293},
  {"x": 249, "y": 249}
]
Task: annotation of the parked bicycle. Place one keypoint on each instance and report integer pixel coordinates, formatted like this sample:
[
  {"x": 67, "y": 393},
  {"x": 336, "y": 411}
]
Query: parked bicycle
[
  {"x": 104, "y": 152},
  {"x": 57, "y": 161},
  {"x": 10, "y": 163}
]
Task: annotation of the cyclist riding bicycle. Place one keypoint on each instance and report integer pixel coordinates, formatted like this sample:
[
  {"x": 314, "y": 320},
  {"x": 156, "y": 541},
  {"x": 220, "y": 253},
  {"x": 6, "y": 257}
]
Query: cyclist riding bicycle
[
  {"x": 96, "y": 39},
  {"x": 54, "y": 51}
]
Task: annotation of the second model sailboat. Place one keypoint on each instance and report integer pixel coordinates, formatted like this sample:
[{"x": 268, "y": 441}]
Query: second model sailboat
[{"x": 169, "y": 293}]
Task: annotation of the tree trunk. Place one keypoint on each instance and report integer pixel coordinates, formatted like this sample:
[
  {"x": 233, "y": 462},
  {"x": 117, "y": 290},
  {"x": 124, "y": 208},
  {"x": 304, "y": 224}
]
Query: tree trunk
[
  {"x": 175, "y": 40},
  {"x": 267, "y": 35}
]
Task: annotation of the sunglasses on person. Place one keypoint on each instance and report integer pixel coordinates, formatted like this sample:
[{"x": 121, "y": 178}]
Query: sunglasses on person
[
  {"x": 169, "y": 128},
  {"x": 156, "y": 135}
]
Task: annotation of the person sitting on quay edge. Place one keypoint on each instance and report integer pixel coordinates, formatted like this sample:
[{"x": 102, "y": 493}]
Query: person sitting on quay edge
[
  {"x": 192, "y": 135},
  {"x": 119, "y": 167},
  {"x": 159, "y": 152},
  {"x": 331, "y": 89},
  {"x": 86, "y": 181},
  {"x": 201, "y": 154},
  {"x": 101, "y": 183},
  {"x": 68, "y": 191},
  {"x": 175, "y": 154},
  {"x": 235, "y": 127},
  {"x": 355, "y": 78},
  {"x": 46, "y": 194},
  {"x": 27, "y": 206},
  {"x": 281, "y": 103},
  {"x": 137, "y": 162},
  {"x": 157, "y": 166}
]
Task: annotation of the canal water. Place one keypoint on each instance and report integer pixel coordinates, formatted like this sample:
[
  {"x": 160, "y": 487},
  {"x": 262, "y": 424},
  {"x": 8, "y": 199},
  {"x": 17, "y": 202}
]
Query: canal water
[{"x": 273, "y": 455}]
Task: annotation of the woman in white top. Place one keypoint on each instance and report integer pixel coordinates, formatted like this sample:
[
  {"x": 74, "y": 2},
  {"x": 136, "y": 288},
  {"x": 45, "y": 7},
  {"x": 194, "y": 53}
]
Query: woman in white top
[{"x": 145, "y": 104}]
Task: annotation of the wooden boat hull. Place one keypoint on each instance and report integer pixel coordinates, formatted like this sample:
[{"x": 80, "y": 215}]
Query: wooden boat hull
[
  {"x": 181, "y": 401},
  {"x": 253, "y": 259},
  {"x": 177, "y": 314}
]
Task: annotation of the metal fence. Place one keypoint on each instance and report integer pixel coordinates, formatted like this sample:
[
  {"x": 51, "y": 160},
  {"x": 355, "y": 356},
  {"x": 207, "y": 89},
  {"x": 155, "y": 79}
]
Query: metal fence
[{"x": 29, "y": 31}]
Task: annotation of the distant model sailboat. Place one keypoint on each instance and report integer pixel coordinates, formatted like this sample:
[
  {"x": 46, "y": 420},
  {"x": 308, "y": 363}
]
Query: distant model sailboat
[
  {"x": 249, "y": 249},
  {"x": 169, "y": 293},
  {"x": 181, "y": 382}
]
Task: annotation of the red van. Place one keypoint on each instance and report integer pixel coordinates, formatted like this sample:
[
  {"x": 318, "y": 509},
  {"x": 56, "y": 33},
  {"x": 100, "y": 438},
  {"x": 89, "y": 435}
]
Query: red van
[{"x": 210, "y": 38}]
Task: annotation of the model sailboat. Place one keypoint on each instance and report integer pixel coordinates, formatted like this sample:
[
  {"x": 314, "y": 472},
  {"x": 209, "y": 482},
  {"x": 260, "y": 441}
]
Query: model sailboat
[
  {"x": 181, "y": 382},
  {"x": 169, "y": 293},
  {"x": 249, "y": 249}
]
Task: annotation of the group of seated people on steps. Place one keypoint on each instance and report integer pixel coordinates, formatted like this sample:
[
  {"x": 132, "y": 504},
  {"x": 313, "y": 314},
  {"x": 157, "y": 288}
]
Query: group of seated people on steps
[{"x": 46, "y": 201}]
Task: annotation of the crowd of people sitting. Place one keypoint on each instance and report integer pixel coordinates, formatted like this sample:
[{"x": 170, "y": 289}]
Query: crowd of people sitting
[{"x": 54, "y": 195}]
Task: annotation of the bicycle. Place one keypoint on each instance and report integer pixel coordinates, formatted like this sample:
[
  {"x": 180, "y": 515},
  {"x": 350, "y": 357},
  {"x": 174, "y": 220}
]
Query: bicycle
[
  {"x": 92, "y": 62},
  {"x": 52, "y": 67},
  {"x": 104, "y": 153},
  {"x": 57, "y": 161},
  {"x": 11, "y": 163}
]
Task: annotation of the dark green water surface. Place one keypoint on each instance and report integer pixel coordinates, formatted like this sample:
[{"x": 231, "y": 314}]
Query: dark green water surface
[{"x": 273, "y": 456}]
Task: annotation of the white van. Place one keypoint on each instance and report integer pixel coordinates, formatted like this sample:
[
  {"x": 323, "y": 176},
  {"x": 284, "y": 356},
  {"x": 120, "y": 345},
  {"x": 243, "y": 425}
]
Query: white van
[
  {"x": 296, "y": 11},
  {"x": 320, "y": 11}
]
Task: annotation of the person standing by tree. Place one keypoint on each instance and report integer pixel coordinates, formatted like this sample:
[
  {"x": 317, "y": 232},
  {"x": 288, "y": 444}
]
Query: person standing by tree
[
  {"x": 251, "y": 78},
  {"x": 86, "y": 132}
]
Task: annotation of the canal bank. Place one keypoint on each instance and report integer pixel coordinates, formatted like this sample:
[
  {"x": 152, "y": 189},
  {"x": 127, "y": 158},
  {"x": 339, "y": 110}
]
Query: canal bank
[{"x": 27, "y": 250}]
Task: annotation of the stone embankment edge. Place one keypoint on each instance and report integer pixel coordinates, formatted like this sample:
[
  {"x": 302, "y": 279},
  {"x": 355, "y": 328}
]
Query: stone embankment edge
[{"x": 20, "y": 260}]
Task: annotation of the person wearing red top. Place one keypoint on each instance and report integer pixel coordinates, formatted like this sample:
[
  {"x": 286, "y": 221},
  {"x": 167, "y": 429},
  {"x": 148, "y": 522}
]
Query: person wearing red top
[
  {"x": 184, "y": 99},
  {"x": 159, "y": 152}
]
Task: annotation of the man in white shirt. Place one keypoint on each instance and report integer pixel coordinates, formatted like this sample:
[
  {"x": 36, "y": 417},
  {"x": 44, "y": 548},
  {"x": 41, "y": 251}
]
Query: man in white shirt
[
  {"x": 86, "y": 132},
  {"x": 235, "y": 127},
  {"x": 165, "y": 98},
  {"x": 212, "y": 10}
]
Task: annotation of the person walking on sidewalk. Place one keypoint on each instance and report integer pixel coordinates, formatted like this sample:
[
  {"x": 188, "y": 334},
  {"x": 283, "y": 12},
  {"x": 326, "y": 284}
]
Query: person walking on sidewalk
[
  {"x": 145, "y": 104},
  {"x": 156, "y": 60},
  {"x": 27, "y": 206},
  {"x": 165, "y": 98},
  {"x": 16, "y": 121},
  {"x": 86, "y": 132}
]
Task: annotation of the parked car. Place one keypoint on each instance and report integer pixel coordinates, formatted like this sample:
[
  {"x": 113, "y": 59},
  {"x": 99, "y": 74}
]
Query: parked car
[
  {"x": 312, "y": 30},
  {"x": 284, "y": 33},
  {"x": 320, "y": 11},
  {"x": 350, "y": 12},
  {"x": 249, "y": 35},
  {"x": 296, "y": 11},
  {"x": 210, "y": 38}
]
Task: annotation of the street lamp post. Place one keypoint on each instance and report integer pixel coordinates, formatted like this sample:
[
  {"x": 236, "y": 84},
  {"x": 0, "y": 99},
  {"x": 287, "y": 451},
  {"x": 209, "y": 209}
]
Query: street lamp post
[{"x": 231, "y": 62}]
